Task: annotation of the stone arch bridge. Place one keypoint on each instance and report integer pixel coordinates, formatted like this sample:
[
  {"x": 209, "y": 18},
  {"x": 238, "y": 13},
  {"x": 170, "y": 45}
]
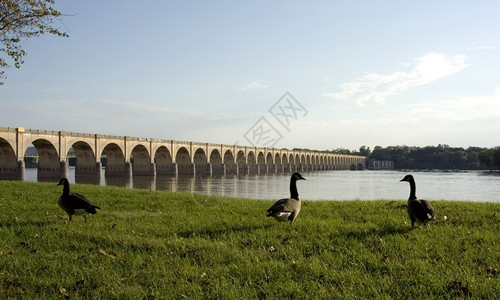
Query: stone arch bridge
[{"x": 127, "y": 156}]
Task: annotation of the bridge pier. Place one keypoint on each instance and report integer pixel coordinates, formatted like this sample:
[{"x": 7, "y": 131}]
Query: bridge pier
[
  {"x": 124, "y": 170},
  {"x": 209, "y": 169},
  {"x": 232, "y": 169},
  {"x": 170, "y": 169},
  {"x": 253, "y": 169},
  {"x": 21, "y": 170},
  {"x": 12, "y": 171},
  {"x": 88, "y": 170},
  {"x": 144, "y": 169},
  {"x": 63, "y": 169},
  {"x": 187, "y": 169},
  {"x": 128, "y": 169},
  {"x": 203, "y": 169},
  {"x": 48, "y": 174},
  {"x": 264, "y": 169},
  {"x": 218, "y": 169},
  {"x": 243, "y": 169}
]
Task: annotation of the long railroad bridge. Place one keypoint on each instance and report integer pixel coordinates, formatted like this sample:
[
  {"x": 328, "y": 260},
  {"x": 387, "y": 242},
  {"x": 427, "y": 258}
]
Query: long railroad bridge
[{"x": 130, "y": 156}]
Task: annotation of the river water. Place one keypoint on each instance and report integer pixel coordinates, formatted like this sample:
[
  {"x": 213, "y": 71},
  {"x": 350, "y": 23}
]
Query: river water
[{"x": 477, "y": 186}]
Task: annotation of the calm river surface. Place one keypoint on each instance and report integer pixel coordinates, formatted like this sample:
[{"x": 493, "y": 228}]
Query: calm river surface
[{"x": 322, "y": 185}]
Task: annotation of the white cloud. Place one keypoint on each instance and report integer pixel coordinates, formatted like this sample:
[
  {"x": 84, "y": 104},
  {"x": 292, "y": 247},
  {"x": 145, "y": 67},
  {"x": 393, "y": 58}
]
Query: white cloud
[
  {"x": 253, "y": 86},
  {"x": 378, "y": 87},
  {"x": 497, "y": 91},
  {"x": 466, "y": 108},
  {"x": 482, "y": 48}
]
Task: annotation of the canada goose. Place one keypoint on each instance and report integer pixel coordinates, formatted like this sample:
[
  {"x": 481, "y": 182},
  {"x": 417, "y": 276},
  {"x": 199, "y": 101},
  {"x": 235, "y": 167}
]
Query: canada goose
[
  {"x": 287, "y": 209},
  {"x": 74, "y": 203},
  {"x": 418, "y": 210}
]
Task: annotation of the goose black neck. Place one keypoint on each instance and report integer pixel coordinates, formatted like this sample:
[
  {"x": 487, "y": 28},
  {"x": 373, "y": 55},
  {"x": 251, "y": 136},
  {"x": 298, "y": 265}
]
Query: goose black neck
[
  {"x": 293, "y": 189},
  {"x": 413, "y": 189},
  {"x": 66, "y": 188}
]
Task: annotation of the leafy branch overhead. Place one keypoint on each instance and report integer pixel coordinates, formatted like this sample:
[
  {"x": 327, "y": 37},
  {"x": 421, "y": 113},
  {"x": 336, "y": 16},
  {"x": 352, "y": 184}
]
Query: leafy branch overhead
[{"x": 21, "y": 20}]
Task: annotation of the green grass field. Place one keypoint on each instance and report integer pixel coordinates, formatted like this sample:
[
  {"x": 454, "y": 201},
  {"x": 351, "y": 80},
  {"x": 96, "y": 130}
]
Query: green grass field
[{"x": 161, "y": 245}]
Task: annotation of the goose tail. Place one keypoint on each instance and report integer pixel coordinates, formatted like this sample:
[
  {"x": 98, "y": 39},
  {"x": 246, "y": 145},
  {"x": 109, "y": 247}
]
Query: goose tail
[{"x": 92, "y": 210}]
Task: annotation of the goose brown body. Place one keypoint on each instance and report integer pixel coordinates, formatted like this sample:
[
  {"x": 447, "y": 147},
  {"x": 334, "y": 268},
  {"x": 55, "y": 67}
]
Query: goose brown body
[
  {"x": 418, "y": 210},
  {"x": 74, "y": 203},
  {"x": 287, "y": 209}
]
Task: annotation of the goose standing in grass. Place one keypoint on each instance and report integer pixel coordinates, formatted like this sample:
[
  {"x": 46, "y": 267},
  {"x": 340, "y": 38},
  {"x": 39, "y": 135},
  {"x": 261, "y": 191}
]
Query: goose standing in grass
[
  {"x": 419, "y": 210},
  {"x": 287, "y": 209},
  {"x": 74, "y": 203}
]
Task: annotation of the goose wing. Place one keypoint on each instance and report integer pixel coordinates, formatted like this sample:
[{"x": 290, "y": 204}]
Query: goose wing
[
  {"x": 283, "y": 205},
  {"x": 421, "y": 210},
  {"x": 429, "y": 209},
  {"x": 79, "y": 201}
]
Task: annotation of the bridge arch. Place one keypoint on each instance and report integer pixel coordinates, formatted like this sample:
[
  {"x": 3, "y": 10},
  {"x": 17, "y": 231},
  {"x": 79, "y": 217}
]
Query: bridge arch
[
  {"x": 8, "y": 160},
  {"x": 163, "y": 161},
  {"x": 291, "y": 162},
  {"x": 278, "y": 165},
  {"x": 252, "y": 163},
  {"x": 315, "y": 162},
  {"x": 261, "y": 163},
  {"x": 270, "y": 163},
  {"x": 216, "y": 162},
  {"x": 49, "y": 165},
  {"x": 303, "y": 163},
  {"x": 140, "y": 159},
  {"x": 86, "y": 163},
  {"x": 285, "y": 163},
  {"x": 183, "y": 161},
  {"x": 241, "y": 162},
  {"x": 115, "y": 160},
  {"x": 230, "y": 163},
  {"x": 201, "y": 162}
]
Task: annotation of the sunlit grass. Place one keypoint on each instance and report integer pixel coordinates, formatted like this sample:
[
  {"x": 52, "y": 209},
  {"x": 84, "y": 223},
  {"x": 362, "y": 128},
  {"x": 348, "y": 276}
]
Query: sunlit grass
[{"x": 152, "y": 244}]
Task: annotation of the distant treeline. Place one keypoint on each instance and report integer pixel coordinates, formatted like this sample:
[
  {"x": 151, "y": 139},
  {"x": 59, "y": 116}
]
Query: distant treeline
[{"x": 432, "y": 157}]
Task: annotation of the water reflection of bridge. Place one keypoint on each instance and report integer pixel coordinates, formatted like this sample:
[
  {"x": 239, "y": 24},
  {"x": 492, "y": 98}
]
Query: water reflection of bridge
[{"x": 127, "y": 156}]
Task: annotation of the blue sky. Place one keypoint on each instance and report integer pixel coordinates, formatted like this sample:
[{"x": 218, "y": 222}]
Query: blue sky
[{"x": 354, "y": 73}]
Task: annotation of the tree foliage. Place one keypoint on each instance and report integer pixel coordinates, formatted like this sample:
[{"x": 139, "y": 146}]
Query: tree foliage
[
  {"x": 490, "y": 158},
  {"x": 438, "y": 157},
  {"x": 21, "y": 20}
]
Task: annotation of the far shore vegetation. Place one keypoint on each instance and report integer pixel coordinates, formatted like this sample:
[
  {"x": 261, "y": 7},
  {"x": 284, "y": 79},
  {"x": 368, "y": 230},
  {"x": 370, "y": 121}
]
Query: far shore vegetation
[
  {"x": 161, "y": 245},
  {"x": 432, "y": 157}
]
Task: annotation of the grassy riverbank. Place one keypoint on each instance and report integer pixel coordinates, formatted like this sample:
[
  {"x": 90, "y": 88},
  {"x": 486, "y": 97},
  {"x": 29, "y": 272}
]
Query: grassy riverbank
[{"x": 145, "y": 244}]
